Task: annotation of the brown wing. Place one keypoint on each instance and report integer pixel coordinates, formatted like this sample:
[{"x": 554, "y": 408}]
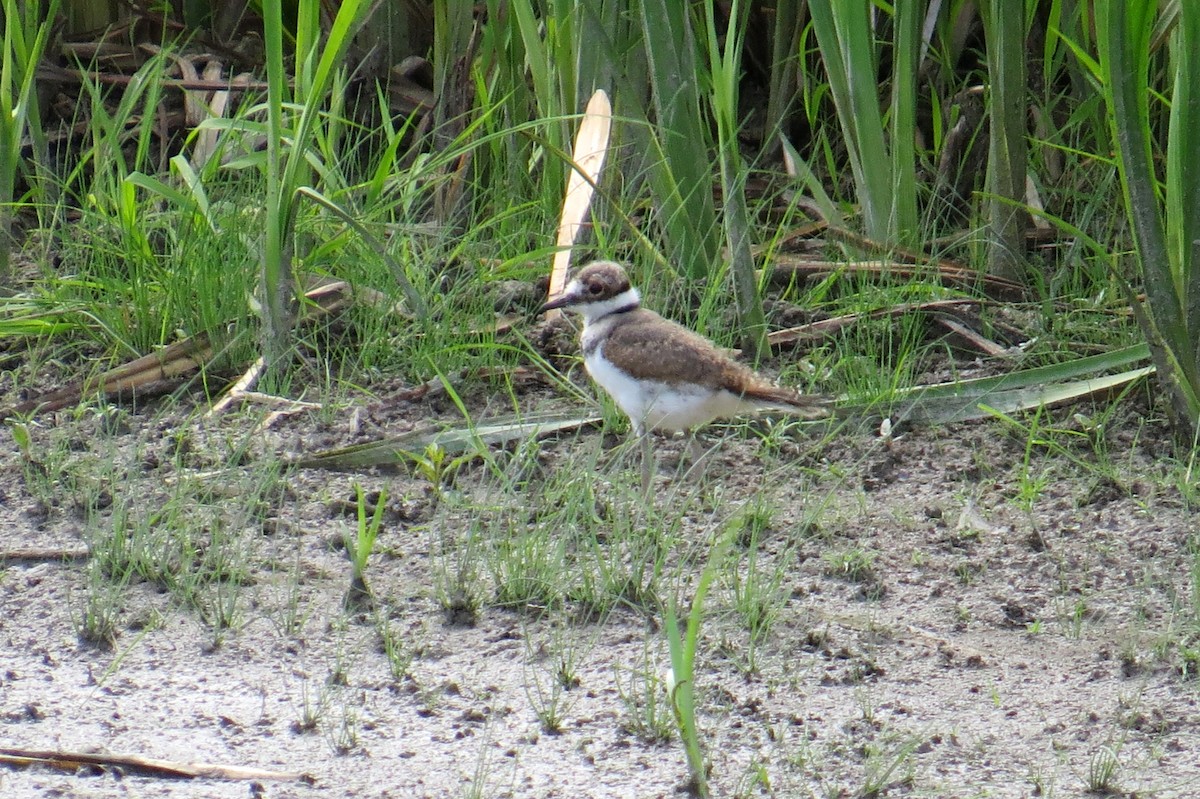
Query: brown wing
[{"x": 648, "y": 345}]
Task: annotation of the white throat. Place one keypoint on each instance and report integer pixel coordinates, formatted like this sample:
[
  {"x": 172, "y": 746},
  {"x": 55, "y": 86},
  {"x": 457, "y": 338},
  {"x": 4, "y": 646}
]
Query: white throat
[{"x": 593, "y": 311}]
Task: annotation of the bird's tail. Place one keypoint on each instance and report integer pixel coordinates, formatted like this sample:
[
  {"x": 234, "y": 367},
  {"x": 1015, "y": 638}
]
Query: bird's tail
[{"x": 808, "y": 406}]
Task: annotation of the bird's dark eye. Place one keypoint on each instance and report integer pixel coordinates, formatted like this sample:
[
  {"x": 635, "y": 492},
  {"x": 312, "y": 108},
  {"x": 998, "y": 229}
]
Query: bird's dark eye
[{"x": 595, "y": 288}]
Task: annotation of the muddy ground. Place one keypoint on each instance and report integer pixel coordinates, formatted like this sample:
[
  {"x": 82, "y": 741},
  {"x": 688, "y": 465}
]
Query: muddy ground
[{"x": 958, "y": 616}]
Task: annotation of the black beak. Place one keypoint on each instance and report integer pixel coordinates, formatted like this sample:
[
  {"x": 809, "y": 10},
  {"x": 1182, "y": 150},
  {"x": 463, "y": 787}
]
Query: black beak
[{"x": 558, "y": 302}]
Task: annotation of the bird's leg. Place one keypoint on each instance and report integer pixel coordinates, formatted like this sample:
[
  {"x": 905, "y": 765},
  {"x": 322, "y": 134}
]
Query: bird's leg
[
  {"x": 647, "y": 461},
  {"x": 695, "y": 453}
]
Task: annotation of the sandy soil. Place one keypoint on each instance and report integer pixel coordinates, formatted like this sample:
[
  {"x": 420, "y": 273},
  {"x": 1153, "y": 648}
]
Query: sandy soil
[{"x": 953, "y": 622}]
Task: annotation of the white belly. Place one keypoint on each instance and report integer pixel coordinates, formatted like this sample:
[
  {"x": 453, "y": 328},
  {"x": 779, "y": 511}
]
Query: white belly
[{"x": 655, "y": 405}]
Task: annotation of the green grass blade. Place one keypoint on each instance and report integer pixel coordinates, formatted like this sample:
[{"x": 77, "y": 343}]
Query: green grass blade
[
  {"x": 289, "y": 148},
  {"x": 682, "y": 177},
  {"x": 799, "y": 169},
  {"x": 683, "y": 648},
  {"x": 26, "y": 30},
  {"x": 725, "y": 68},
  {"x": 1005, "y": 32},
  {"x": 982, "y": 387},
  {"x": 906, "y": 48},
  {"x": 276, "y": 265},
  {"x": 1124, "y": 39},
  {"x": 415, "y": 300},
  {"x": 1124, "y": 47},
  {"x": 947, "y": 410},
  {"x": 847, "y": 45},
  {"x": 1183, "y": 176}
]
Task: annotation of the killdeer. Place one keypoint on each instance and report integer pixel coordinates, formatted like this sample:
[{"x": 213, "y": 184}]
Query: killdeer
[{"x": 662, "y": 375}]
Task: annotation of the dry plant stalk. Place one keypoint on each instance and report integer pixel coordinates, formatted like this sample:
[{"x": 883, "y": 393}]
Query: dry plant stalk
[{"x": 591, "y": 145}]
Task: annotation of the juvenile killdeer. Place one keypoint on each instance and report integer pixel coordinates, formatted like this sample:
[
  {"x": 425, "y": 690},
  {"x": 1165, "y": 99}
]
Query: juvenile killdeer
[{"x": 662, "y": 375}]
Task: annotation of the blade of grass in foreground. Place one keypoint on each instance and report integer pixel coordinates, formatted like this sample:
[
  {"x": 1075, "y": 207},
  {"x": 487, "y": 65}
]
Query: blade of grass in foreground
[{"x": 683, "y": 647}]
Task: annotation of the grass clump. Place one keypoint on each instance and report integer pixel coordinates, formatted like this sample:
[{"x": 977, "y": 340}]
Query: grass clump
[{"x": 360, "y": 546}]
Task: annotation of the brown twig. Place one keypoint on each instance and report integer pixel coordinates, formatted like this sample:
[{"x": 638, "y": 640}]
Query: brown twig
[
  {"x": 44, "y": 554},
  {"x": 52, "y": 73},
  {"x": 814, "y": 331},
  {"x": 170, "y": 362},
  {"x": 948, "y": 272},
  {"x": 145, "y": 766}
]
